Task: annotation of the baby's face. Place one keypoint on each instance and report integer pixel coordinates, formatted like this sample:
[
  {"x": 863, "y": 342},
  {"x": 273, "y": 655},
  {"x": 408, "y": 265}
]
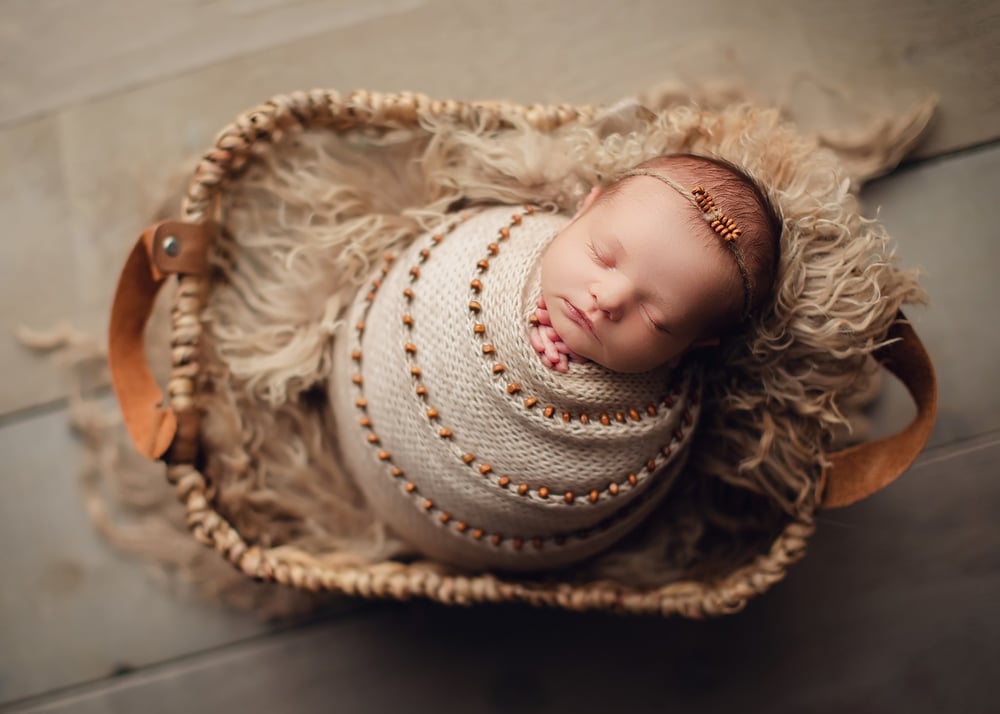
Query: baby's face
[{"x": 631, "y": 282}]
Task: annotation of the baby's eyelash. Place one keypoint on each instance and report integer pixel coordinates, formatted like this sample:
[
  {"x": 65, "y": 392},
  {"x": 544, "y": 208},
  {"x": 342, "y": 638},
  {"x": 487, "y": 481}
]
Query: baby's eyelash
[
  {"x": 657, "y": 326},
  {"x": 598, "y": 256}
]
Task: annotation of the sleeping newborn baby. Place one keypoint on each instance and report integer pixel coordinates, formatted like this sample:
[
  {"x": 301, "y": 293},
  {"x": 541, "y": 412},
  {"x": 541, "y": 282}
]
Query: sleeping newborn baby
[{"x": 510, "y": 393}]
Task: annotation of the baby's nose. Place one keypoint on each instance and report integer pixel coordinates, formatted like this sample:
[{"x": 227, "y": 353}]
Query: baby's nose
[{"x": 612, "y": 298}]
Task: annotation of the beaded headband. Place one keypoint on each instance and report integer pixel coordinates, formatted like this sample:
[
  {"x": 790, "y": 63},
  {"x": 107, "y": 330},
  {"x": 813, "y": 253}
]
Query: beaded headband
[{"x": 722, "y": 224}]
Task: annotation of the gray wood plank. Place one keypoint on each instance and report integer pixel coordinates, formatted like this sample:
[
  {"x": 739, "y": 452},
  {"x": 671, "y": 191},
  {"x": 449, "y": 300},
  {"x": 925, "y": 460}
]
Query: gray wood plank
[
  {"x": 39, "y": 283},
  {"x": 888, "y": 52},
  {"x": 117, "y": 45},
  {"x": 893, "y": 609},
  {"x": 942, "y": 216},
  {"x": 71, "y": 608}
]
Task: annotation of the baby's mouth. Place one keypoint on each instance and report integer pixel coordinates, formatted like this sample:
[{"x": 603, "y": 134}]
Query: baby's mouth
[{"x": 576, "y": 315}]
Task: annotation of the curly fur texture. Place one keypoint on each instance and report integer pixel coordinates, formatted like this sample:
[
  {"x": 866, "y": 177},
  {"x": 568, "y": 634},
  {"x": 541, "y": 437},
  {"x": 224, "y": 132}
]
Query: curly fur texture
[{"x": 311, "y": 216}]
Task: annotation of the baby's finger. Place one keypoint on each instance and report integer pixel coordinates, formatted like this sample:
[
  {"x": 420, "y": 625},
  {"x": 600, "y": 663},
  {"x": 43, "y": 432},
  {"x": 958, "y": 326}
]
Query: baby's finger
[
  {"x": 536, "y": 340},
  {"x": 551, "y": 352}
]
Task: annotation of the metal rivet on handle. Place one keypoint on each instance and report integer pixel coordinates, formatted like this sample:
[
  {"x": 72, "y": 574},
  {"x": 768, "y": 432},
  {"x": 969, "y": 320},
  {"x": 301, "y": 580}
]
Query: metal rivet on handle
[{"x": 171, "y": 246}]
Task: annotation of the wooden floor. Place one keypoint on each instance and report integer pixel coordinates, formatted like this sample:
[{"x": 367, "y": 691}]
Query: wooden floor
[{"x": 895, "y": 607}]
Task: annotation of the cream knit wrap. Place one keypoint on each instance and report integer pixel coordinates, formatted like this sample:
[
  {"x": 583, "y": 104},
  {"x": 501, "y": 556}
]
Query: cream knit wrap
[{"x": 462, "y": 441}]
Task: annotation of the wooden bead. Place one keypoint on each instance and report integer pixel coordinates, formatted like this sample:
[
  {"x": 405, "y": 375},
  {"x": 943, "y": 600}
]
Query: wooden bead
[
  {"x": 488, "y": 349},
  {"x": 633, "y": 479},
  {"x": 444, "y": 517},
  {"x": 485, "y": 469},
  {"x": 549, "y": 411},
  {"x": 522, "y": 489},
  {"x": 445, "y": 433},
  {"x": 478, "y": 533},
  {"x": 483, "y": 265},
  {"x": 461, "y": 526},
  {"x": 503, "y": 481},
  {"x": 468, "y": 458},
  {"x": 432, "y": 413},
  {"x": 415, "y": 371},
  {"x": 410, "y": 348},
  {"x": 493, "y": 248},
  {"x": 365, "y": 422},
  {"x": 504, "y": 233},
  {"x": 356, "y": 355},
  {"x": 594, "y": 495},
  {"x": 397, "y": 472},
  {"x": 605, "y": 419},
  {"x": 408, "y": 293},
  {"x": 633, "y": 414},
  {"x": 356, "y": 379},
  {"x": 384, "y": 456},
  {"x": 584, "y": 419},
  {"x": 543, "y": 492},
  {"x": 530, "y": 402},
  {"x": 421, "y": 391},
  {"x": 479, "y": 328},
  {"x": 408, "y": 320},
  {"x": 414, "y": 272},
  {"x": 513, "y": 388},
  {"x": 613, "y": 489},
  {"x": 428, "y": 504},
  {"x": 410, "y": 487},
  {"x": 361, "y": 403},
  {"x": 498, "y": 368},
  {"x": 569, "y": 497},
  {"x": 537, "y": 543},
  {"x": 476, "y": 285},
  {"x": 474, "y": 306},
  {"x": 372, "y": 438}
]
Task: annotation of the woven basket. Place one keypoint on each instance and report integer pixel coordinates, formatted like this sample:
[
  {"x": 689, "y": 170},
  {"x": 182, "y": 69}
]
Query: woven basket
[{"x": 171, "y": 432}]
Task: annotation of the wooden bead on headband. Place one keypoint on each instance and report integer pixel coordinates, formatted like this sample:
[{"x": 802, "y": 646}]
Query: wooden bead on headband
[{"x": 720, "y": 222}]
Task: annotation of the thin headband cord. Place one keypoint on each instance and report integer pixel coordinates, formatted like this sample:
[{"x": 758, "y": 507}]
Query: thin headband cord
[{"x": 719, "y": 222}]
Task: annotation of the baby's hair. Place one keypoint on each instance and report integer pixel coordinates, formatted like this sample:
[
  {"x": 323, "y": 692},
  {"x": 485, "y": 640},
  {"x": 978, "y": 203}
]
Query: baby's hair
[{"x": 745, "y": 204}]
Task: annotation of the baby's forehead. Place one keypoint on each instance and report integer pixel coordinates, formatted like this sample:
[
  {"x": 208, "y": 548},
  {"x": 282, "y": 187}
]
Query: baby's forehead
[{"x": 647, "y": 194}]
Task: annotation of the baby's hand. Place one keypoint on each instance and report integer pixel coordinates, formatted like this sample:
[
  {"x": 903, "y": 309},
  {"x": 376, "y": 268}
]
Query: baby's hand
[{"x": 546, "y": 342}]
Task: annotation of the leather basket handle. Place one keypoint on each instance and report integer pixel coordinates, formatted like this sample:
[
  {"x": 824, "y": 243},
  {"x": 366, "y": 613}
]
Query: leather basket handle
[
  {"x": 859, "y": 471},
  {"x": 162, "y": 249}
]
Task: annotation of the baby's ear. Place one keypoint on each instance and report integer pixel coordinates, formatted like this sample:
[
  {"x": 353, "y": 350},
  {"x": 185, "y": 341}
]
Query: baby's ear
[{"x": 587, "y": 202}]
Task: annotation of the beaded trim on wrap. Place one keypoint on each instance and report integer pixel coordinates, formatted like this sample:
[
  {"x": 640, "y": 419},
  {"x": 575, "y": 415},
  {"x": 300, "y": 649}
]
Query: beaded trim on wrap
[{"x": 472, "y": 448}]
